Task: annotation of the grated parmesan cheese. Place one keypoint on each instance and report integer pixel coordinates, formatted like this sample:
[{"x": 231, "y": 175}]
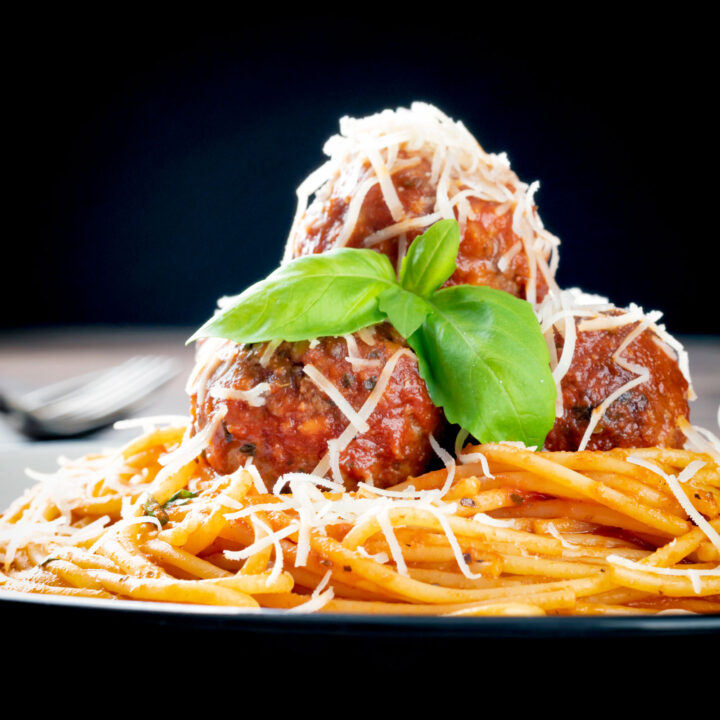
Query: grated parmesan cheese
[
  {"x": 448, "y": 461},
  {"x": 272, "y": 346},
  {"x": 673, "y": 483},
  {"x": 559, "y": 312},
  {"x": 367, "y": 335},
  {"x": 152, "y": 422},
  {"x": 337, "y": 397},
  {"x": 695, "y": 575},
  {"x": 254, "y": 397},
  {"x": 354, "y": 357},
  {"x": 351, "y": 431},
  {"x": 459, "y": 170},
  {"x": 701, "y": 440}
]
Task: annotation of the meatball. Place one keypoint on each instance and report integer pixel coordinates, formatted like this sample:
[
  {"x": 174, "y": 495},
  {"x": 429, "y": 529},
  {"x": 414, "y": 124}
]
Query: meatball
[
  {"x": 491, "y": 253},
  {"x": 285, "y": 427},
  {"x": 644, "y": 416}
]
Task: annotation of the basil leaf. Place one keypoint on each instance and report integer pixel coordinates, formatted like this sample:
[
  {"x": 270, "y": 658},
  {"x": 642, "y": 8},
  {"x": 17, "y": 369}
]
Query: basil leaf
[
  {"x": 313, "y": 296},
  {"x": 480, "y": 350},
  {"x": 485, "y": 362},
  {"x": 405, "y": 310},
  {"x": 430, "y": 260}
]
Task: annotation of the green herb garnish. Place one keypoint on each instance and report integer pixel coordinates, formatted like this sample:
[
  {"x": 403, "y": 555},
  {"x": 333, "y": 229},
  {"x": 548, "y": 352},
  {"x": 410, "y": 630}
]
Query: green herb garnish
[
  {"x": 179, "y": 495},
  {"x": 154, "y": 509},
  {"x": 480, "y": 351}
]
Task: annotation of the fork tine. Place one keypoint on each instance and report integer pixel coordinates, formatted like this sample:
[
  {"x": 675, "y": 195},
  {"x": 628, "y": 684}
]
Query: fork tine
[
  {"x": 117, "y": 392},
  {"x": 66, "y": 390},
  {"x": 43, "y": 395},
  {"x": 103, "y": 414},
  {"x": 76, "y": 398},
  {"x": 90, "y": 401},
  {"x": 113, "y": 383},
  {"x": 116, "y": 388},
  {"x": 120, "y": 402},
  {"x": 132, "y": 389}
]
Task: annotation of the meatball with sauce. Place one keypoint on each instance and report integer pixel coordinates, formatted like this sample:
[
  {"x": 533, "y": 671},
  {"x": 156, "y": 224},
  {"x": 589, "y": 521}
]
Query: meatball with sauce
[
  {"x": 279, "y": 414},
  {"x": 644, "y": 415},
  {"x": 491, "y": 253}
]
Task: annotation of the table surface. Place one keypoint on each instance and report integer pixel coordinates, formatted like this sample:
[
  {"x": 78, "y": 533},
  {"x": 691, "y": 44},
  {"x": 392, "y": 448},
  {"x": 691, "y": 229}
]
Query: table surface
[{"x": 32, "y": 358}]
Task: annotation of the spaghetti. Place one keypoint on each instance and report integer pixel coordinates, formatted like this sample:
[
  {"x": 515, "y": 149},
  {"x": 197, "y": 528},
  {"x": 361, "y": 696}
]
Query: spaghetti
[
  {"x": 518, "y": 533},
  {"x": 215, "y": 511}
]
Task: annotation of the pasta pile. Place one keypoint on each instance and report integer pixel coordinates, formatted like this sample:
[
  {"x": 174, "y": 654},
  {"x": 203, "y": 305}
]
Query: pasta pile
[{"x": 502, "y": 530}]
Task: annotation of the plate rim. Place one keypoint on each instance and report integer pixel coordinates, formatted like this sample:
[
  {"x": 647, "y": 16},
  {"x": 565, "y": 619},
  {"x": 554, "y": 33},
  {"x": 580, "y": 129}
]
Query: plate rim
[{"x": 274, "y": 621}]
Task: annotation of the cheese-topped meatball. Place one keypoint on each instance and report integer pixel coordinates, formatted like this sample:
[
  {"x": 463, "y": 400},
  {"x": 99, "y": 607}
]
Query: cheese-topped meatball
[
  {"x": 381, "y": 194},
  {"x": 280, "y": 412},
  {"x": 642, "y": 416}
]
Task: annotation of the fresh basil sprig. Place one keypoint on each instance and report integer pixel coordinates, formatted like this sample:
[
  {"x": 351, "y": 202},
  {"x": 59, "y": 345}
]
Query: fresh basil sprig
[
  {"x": 317, "y": 295},
  {"x": 480, "y": 351}
]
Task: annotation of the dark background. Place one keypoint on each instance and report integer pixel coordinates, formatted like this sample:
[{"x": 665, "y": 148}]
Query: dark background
[{"x": 153, "y": 168}]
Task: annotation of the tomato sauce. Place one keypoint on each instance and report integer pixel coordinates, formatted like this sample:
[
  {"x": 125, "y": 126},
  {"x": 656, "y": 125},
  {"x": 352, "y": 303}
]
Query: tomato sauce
[
  {"x": 290, "y": 431},
  {"x": 487, "y": 237},
  {"x": 644, "y": 416}
]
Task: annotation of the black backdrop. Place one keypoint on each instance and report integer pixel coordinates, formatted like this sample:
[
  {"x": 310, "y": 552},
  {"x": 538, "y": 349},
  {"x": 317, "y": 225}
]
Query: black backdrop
[{"x": 153, "y": 168}]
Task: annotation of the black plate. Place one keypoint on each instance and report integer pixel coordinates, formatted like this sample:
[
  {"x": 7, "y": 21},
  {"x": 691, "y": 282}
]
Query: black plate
[
  {"x": 70, "y": 611},
  {"x": 345, "y": 657},
  {"x": 385, "y": 643}
]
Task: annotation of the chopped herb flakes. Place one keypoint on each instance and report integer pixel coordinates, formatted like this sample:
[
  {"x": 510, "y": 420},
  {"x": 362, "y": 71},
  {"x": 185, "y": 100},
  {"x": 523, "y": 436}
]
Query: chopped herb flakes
[{"x": 154, "y": 509}]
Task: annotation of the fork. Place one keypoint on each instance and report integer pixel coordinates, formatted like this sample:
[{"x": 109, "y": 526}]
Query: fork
[{"x": 88, "y": 402}]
